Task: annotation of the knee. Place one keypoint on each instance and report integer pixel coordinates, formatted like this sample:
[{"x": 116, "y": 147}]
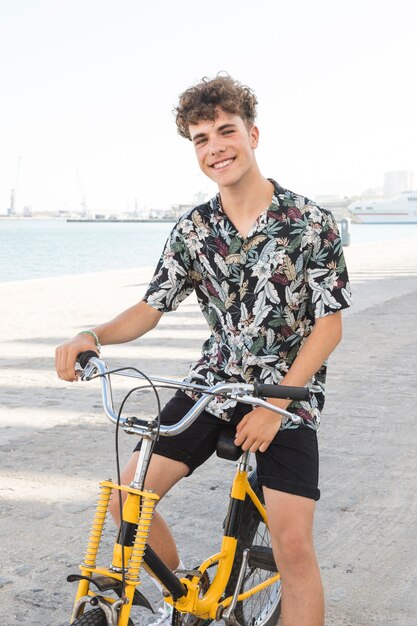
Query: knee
[{"x": 294, "y": 552}]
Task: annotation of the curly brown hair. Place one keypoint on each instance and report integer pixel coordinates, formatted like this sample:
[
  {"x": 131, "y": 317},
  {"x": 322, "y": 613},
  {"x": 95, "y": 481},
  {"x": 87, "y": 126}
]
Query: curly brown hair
[{"x": 201, "y": 102}]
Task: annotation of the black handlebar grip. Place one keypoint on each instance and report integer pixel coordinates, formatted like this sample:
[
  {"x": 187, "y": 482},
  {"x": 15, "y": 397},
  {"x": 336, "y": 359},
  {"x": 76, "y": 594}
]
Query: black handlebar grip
[
  {"x": 281, "y": 391},
  {"x": 84, "y": 357}
]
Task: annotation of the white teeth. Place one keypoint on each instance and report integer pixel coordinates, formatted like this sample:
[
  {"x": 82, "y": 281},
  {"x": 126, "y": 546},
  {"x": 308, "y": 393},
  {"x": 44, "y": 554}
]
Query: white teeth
[{"x": 218, "y": 166}]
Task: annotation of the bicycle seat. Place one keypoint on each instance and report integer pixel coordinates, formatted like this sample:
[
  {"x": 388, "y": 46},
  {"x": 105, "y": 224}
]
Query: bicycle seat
[{"x": 226, "y": 448}]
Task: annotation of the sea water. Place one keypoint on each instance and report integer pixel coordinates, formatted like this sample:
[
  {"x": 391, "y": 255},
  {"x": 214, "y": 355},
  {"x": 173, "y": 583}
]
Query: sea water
[
  {"x": 33, "y": 248},
  {"x": 42, "y": 248}
]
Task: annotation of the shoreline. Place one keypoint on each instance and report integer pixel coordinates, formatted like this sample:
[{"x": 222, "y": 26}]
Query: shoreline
[
  {"x": 368, "y": 264},
  {"x": 353, "y": 251},
  {"x": 148, "y": 269}
]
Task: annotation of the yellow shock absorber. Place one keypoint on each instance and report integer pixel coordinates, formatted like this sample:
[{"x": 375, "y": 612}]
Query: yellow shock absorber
[
  {"x": 147, "y": 507},
  {"x": 97, "y": 526}
]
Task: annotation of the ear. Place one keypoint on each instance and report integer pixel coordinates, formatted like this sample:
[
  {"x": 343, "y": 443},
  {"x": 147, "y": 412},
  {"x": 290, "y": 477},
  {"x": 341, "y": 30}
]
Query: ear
[{"x": 254, "y": 136}]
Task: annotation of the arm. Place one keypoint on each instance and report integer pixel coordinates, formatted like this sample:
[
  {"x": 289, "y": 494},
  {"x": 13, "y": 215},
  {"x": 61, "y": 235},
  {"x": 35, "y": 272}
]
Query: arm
[
  {"x": 129, "y": 325},
  {"x": 259, "y": 427}
]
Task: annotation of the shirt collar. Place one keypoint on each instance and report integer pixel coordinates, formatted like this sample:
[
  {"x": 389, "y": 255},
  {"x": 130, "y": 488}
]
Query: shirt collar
[{"x": 218, "y": 214}]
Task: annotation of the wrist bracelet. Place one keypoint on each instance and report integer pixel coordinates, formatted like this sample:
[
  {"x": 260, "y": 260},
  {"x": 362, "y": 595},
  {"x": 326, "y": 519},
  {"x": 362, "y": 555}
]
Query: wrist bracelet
[{"x": 93, "y": 334}]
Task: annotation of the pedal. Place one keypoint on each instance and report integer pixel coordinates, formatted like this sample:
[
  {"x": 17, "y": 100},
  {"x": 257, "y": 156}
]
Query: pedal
[
  {"x": 262, "y": 557},
  {"x": 107, "y": 583}
]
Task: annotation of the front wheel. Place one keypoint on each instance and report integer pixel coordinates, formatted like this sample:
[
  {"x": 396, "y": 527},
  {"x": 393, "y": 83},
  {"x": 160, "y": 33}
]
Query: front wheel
[
  {"x": 263, "y": 608},
  {"x": 96, "y": 617}
]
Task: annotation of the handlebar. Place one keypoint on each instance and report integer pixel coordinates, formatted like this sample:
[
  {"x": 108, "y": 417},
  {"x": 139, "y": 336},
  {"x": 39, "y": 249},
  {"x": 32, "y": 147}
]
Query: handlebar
[
  {"x": 84, "y": 357},
  {"x": 242, "y": 392},
  {"x": 285, "y": 392}
]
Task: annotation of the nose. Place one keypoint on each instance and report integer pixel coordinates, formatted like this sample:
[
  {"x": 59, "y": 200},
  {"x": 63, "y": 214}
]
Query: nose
[{"x": 216, "y": 147}]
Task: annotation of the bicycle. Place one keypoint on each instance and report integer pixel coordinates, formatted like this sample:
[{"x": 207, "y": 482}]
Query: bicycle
[{"x": 246, "y": 587}]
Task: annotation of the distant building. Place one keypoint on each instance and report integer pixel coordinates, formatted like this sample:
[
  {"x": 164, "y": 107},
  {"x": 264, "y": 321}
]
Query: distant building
[
  {"x": 396, "y": 182},
  {"x": 11, "y": 212},
  {"x": 372, "y": 192},
  {"x": 336, "y": 204},
  {"x": 179, "y": 209}
]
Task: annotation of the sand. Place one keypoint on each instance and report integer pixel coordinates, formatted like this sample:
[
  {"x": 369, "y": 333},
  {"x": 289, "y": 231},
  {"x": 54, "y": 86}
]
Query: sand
[{"x": 56, "y": 445}]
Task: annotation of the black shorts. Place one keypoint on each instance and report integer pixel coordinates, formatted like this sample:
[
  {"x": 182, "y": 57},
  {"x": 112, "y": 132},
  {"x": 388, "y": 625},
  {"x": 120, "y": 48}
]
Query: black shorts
[{"x": 290, "y": 463}]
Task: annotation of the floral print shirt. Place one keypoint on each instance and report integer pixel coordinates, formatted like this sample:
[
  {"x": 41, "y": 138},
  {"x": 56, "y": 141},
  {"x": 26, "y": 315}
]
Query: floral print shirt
[{"x": 259, "y": 294}]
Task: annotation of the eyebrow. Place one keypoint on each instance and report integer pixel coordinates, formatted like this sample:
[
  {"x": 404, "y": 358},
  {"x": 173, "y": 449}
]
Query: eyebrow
[{"x": 220, "y": 129}]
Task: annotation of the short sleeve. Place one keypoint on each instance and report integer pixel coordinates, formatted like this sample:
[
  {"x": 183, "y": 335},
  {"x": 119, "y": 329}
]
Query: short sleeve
[
  {"x": 171, "y": 282},
  {"x": 327, "y": 274}
]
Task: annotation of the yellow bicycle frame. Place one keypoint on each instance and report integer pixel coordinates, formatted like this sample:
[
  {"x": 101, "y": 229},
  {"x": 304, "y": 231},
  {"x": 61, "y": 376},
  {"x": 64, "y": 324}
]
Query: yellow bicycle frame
[
  {"x": 138, "y": 511},
  {"x": 208, "y": 606}
]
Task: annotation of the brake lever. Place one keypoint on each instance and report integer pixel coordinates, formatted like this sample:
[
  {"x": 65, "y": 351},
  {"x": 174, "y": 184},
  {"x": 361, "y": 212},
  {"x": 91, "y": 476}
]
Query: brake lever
[
  {"x": 88, "y": 372},
  {"x": 245, "y": 399}
]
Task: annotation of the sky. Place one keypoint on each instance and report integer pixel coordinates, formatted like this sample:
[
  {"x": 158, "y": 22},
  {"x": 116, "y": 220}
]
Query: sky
[{"x": 88, "y": 88}]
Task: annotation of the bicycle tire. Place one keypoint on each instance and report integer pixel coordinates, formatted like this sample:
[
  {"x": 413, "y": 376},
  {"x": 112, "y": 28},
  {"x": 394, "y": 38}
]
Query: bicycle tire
[
  {"x": 96, "y": 617},
  {"x": 264, "y": 608}
]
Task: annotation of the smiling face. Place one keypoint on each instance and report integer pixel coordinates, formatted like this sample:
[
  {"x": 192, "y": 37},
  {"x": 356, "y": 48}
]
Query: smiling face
[{"x": 225, "y": 148}]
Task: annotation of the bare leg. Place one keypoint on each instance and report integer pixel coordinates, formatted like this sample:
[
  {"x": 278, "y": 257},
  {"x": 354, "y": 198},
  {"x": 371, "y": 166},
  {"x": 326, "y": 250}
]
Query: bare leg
[
  {"x": 290, "y": 520},
  {"x": 163, "y": 473}
]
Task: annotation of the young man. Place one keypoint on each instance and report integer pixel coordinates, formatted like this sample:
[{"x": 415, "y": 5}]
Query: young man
[{"x": 268, "y": 270}]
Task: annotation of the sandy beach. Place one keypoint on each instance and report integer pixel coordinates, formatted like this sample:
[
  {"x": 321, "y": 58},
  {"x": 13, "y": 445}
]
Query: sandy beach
[{"x": 56, "y": 445}]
